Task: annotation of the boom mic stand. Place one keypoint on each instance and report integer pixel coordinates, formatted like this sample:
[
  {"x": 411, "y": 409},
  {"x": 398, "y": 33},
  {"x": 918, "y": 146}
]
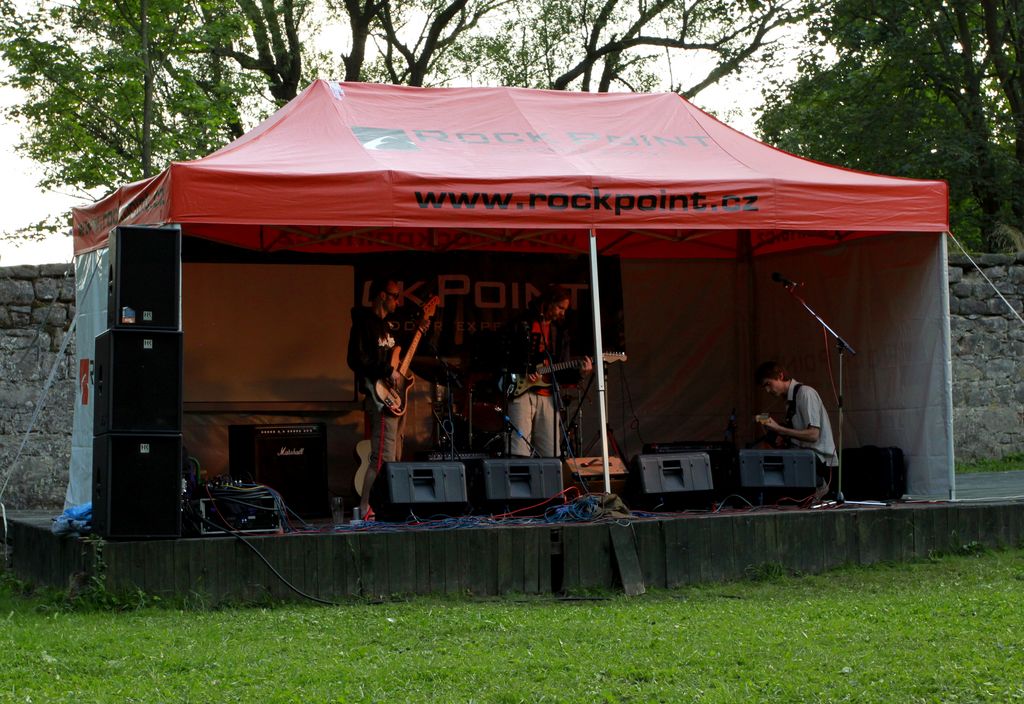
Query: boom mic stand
[
  {"x": 577, "y": 415},
  {"x": 518, "y": 353},
  {"x": 841, "y": 346},
  {"x": 510, "y": 428},
  {"x": 449, "y": 421},
  {"x": 560, "y": 435}
]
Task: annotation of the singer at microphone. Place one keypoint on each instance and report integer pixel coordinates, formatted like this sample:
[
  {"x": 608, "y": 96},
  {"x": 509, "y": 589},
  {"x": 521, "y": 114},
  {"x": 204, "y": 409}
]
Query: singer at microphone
[{"x": 788, "y": 283}]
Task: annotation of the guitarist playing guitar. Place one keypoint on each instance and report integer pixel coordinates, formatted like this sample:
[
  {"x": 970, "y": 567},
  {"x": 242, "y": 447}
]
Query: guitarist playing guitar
[
  {"x": 541, "y": 341},
  {"x": 382, "y": 374},
  {"x": 807, "y": 424}
]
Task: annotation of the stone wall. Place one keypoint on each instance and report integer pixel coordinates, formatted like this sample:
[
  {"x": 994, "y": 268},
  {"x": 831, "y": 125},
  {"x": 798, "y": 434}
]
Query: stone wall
[
  {"x": 37, "y": 302},
  {"x": 988, "y": 355},
  {"x": 36, "y": 305}
]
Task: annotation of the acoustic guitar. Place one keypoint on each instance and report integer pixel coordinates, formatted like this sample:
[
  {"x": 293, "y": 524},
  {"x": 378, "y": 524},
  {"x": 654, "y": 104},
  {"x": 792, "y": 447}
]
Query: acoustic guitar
[
  {"x": 394, "y": 397},
  {"x": 523, "y": 383},
  {"x": 363, "y": 448},
  {"x": 770, "y": 440}
]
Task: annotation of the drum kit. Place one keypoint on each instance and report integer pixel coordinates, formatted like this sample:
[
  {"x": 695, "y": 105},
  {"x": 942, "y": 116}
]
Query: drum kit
[
  {"x": 471, "y": 396},
  {"x": 469, "y": 408}
]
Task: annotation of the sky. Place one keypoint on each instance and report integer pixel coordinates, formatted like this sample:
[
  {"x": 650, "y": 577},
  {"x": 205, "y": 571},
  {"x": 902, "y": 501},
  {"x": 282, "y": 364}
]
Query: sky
[
  {"x": 24, "y": 202},
  {"x": 733, "y": 101}
]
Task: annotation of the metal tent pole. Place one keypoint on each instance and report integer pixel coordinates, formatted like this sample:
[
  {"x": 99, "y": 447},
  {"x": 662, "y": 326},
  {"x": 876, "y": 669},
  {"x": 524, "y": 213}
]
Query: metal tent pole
[{"x": 599, "y": 360}]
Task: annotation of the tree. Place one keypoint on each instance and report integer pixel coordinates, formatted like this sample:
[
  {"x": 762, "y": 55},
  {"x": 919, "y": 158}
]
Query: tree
[
  {"x": 631, "y": 44},
  {"x": 361, "y": 14},
  {"x": 442, "y": 25},
  {"x": 271, "y": 45},
  {"x": 914, "y": 89},
  {"x": 117, "y": 88}
]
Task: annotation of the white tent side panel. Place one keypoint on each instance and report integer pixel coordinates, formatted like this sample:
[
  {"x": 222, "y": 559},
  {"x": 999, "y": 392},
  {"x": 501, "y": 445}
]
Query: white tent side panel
[
  {"x": 693, "y": 345},
  {"x": 91, "y": 274},
  {"x": 885, "y": 297}
]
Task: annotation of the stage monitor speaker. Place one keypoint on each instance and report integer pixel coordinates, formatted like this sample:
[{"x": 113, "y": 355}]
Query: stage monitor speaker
[
  {"x": 873, "y": 473},
  {"x": 137, "y": 380},
  {"x": 724, "y": 472},
  {"x": 677, "y": 473},
  {"x": 426, "y": 489},
  {"x": 136, "y": 487},
  {"x": 144, "y": 289},
  {"x": 290, "y": 458},
  {"x": 766, "y": 469},
  {"x": 518, "y": 480}
]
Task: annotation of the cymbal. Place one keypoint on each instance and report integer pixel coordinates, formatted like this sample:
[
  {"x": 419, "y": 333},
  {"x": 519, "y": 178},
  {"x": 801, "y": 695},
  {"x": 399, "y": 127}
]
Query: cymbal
[{"x": 435, "y": 370}]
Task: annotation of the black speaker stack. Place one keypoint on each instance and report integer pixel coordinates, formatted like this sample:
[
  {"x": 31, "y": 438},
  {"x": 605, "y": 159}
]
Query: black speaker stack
[{"x": 137, "y": 450}]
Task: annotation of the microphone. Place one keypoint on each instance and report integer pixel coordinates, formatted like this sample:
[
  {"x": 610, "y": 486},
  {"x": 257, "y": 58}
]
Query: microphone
[
  {"x": 779, "y": 278},
  {"x": 514, "y": 428}
]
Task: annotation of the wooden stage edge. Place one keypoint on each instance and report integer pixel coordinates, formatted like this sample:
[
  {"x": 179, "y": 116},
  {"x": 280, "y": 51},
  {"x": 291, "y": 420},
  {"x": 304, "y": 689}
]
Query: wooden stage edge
[{"x": 663, "y": 551}]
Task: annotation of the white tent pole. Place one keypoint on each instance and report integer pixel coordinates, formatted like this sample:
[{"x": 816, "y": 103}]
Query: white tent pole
[
  {"x": 947, "y": 367},
  {"x": 595, "y": 293}
]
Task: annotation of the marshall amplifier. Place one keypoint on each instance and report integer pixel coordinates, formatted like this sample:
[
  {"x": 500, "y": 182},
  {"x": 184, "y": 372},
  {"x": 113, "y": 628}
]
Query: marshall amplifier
[{"x": 291, "y": 459}]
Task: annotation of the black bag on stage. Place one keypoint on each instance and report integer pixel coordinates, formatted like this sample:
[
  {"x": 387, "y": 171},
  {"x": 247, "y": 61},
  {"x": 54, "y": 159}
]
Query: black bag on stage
[{"x": 873, "y": 473}]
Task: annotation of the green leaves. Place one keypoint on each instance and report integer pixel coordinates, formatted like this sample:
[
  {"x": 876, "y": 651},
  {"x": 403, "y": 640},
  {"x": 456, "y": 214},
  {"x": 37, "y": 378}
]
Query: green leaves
[
  {"x": 116, "y": 89},
  {"x": 907, "y": 89},
  {"x": 83, "y": 70}
]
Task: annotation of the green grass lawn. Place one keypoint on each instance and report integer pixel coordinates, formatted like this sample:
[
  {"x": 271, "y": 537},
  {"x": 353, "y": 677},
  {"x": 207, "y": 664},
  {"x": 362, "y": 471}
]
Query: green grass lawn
[
  {"x": 947, "y": 630},
  {"x": 1009, "y": 463}
]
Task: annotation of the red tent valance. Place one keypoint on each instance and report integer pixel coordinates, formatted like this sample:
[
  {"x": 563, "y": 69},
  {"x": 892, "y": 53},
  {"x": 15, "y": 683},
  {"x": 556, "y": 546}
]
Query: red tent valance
[{"x": 349, "y": 167}]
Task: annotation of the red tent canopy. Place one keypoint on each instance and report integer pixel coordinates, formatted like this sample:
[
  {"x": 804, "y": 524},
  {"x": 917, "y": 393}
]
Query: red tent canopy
[{"x": 349, "y": 167}]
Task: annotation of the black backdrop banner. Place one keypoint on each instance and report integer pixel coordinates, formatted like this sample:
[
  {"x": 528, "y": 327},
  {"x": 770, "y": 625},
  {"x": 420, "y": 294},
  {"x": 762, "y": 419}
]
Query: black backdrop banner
[{"x": 480, "y": 292}]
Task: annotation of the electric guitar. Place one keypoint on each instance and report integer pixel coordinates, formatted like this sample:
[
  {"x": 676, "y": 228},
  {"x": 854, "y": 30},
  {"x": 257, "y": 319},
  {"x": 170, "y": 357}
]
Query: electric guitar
[
  {"x": 523, "y": 383},
  {"x": 394, "y": 396}
]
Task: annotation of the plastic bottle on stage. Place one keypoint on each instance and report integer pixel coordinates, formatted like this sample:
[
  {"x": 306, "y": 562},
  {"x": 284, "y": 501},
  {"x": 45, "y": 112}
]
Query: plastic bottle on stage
[{"x": 338, "y": 510}]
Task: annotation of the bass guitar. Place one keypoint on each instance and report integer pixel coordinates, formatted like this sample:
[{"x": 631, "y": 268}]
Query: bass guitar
[
  {"x": 393, "y": 397},
  {"x": 523, "y": 383}
]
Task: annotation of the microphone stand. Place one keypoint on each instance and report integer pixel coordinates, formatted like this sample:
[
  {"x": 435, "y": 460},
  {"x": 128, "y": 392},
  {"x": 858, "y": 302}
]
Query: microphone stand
[
  {"x": 579, "y": 406},
  {"x": 841, "y": 346},
  {"x": 511, "y": 427},
  {"x": 450, "y": 381},
  {"x": 560, "y": 435},
  {"x": 447, "y": 423},
  {"x": 519, "y": 366}
]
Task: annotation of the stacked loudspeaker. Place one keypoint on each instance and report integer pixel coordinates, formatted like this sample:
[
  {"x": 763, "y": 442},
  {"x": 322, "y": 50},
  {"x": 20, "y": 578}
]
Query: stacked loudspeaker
[{"x": 137, "y": 376}]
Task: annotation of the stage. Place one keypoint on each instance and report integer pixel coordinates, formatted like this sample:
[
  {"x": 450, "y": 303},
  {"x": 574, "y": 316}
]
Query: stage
[{"x": 485, "y": 557}]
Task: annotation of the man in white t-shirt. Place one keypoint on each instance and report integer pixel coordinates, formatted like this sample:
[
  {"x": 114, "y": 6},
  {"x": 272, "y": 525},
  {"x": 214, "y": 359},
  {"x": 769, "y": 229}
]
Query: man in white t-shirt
[{"x": 806, "y": 424}]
